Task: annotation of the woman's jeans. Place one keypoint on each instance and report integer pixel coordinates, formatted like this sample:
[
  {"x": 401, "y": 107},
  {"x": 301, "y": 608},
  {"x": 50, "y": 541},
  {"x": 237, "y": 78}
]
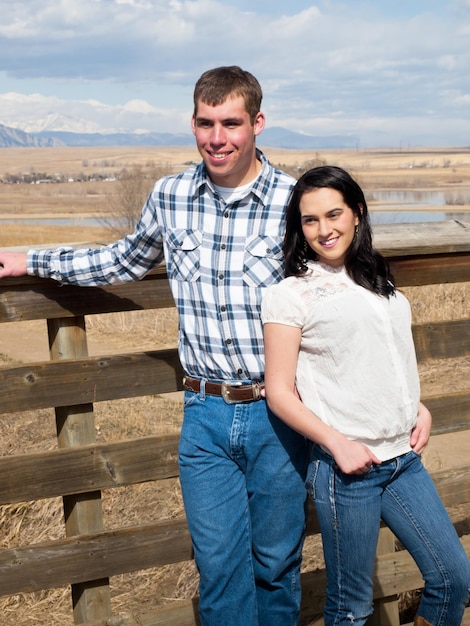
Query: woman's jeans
[
  {"x": 349, "y": 509},
  {"x": 242, "y": 474}
]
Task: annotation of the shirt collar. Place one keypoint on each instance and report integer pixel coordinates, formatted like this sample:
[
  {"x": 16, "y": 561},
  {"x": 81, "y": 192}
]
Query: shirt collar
[{"x": 258, "y": 188}]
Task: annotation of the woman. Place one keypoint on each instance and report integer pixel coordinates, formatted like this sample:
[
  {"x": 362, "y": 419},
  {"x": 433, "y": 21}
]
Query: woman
[{"x": 341, "y": 369}]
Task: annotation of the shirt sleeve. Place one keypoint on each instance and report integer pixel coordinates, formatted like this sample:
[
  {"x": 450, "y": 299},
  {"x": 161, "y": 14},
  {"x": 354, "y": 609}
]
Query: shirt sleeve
[
  {"x": 126, "y": 260},
  {"x": 282, "y": 305}
]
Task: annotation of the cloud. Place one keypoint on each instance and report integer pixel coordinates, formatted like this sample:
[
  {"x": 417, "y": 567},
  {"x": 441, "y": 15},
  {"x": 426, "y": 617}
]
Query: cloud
[{"x": 323, "y": 66}]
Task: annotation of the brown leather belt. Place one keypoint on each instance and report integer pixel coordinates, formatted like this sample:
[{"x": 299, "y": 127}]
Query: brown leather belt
[{"x": 230, "y": 392}]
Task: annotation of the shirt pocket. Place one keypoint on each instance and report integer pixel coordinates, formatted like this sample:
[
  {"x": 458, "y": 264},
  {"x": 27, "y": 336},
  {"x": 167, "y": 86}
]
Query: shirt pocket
[
  {"x": 263, "y": 262},
  {"x": 184, "y": 254}
]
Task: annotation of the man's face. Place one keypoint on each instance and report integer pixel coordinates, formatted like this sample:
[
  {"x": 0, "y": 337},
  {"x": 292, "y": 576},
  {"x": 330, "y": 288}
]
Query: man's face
[{"x": 225, "y": 138}]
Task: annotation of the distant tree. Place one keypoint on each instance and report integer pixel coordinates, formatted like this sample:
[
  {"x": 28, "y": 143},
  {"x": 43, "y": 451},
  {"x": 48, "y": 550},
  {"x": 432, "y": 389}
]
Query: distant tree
[
  {"x": 297, "y": 170},
  {"x": 129, "y": 194}
]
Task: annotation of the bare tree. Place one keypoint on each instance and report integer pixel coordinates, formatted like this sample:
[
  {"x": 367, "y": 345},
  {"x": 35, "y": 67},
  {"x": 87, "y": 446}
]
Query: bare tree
[{"x": 130, "y": 192}]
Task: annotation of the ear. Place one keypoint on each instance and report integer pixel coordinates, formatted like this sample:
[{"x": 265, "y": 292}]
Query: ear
[
  {"x": 356, "y": 221},
  {"x": 259, "y": 123},
  {"x": 193, "y": 124}
]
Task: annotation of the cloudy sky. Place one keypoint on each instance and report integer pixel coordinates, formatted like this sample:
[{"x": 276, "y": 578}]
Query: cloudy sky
[{"x": 391, "y": 72}]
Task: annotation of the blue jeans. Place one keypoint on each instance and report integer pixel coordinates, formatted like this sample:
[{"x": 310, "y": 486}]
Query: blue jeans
[
  {"x": 242, "y": 474},
  {"x": 349, "y": 508}
]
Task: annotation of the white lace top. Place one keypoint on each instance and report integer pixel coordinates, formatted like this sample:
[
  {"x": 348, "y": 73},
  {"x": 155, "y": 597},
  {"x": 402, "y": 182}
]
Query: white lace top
[{"x": 357, "y": 367}]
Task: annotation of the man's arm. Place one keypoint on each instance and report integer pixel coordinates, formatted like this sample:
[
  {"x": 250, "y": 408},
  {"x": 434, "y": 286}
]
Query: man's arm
[{"x": 12, "y": 264}]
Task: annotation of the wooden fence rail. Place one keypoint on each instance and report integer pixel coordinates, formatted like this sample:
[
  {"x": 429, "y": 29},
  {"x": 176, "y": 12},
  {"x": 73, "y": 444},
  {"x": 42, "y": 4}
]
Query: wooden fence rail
[{"x": 80, "y": 468}]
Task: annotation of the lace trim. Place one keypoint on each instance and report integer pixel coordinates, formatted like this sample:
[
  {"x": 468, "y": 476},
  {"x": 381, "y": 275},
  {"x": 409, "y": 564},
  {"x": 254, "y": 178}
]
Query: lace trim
[{"x": 322, "y": 281}]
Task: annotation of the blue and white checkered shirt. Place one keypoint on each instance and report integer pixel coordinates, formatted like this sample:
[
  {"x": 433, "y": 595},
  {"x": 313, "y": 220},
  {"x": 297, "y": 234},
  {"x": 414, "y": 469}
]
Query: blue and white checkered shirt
[{"x": 220, "y": 257}]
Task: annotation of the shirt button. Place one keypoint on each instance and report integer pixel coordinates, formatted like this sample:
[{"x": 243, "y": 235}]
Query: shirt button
[
  {"x": 240, "y": 371},
  {"x": 223, "y": 308},
  {"x": 228, "y": 341},
  {"x": 226, "y": 214},
  {"x": 268, "y": 250},
  {"x": 221, "y": 276},
  {"x": 223, "y": 246}
]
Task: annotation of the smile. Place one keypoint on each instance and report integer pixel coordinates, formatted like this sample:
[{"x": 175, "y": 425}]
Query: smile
[
  {"x": 219, "y": 155},
  {"x": 329, "y": 243}
]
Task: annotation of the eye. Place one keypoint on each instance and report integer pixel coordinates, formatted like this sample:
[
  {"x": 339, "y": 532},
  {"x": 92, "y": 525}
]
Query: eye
[
  {"x": 231, "y": 124},
  {"x": 309, "y": 219},
  {"x": 335, "y": 214}
]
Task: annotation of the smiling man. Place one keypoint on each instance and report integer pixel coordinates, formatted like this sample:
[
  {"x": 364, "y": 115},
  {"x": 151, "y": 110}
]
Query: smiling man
[{"x": 219, "y": 226}]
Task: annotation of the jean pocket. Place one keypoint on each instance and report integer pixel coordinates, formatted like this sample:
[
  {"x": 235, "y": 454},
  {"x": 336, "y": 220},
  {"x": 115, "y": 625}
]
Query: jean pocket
[
  {"x": 312, "y": 474},
  {"x": 190, "y": 398}
]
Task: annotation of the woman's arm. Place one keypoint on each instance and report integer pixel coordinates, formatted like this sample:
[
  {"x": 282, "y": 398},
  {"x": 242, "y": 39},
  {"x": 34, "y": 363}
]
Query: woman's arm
[{"x": 282, "y": 344}]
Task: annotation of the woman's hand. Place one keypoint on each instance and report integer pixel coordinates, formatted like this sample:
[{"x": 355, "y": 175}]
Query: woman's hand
[
  {"x": 352, "y": 457},
  {"x": 422, "y": 431}
]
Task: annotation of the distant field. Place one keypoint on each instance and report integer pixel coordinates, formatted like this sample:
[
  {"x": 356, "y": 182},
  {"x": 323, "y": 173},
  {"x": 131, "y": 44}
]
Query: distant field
[{"x": 434, "y": 166}]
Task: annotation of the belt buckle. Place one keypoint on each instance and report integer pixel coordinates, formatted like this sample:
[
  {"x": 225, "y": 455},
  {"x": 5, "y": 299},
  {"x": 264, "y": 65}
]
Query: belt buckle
[{"x": 225, "y": 391}]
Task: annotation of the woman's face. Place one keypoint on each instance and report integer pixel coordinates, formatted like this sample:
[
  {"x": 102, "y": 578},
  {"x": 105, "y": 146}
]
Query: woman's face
[{"x": 328, "y": 224}]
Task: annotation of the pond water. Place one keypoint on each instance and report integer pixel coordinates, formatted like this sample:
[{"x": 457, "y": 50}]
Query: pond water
[
  {"x": 407, "y": 217},
  {"x": 400, "y": 206},
  {"x": 387, "y": 206},
  {"x": 420, "y": 197}
]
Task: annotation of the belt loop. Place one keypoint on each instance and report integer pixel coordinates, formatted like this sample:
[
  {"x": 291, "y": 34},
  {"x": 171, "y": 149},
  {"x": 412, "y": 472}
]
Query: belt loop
[{"x": 202, "y": 389}]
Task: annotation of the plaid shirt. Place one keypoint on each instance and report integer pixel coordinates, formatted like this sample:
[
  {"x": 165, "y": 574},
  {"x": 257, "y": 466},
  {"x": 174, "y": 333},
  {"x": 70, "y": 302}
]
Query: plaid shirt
[{"x": 220, "y": 258}]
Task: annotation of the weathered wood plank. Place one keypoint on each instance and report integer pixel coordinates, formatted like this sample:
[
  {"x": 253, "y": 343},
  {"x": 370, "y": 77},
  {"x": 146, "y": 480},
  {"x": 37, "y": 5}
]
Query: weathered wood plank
[
  {"x": 453, "y": 485},
  {"x": 184, "y": 613},
  {"x": 103, "y": 466},
  {"x": 397, "y": 572},
  {"x": 62, "y": 472},
  {"x": 431, "y": 269},
  {"x": 37, "y": 298},
  {"x": 416, "y": 252},
  {"x": 441, "y": 340},
  {"x": 451, "y": 412},
  {"x": 93, "y": 557},
  {"x": 422, "y": 238},
  {"x": 91, "y": 379}
]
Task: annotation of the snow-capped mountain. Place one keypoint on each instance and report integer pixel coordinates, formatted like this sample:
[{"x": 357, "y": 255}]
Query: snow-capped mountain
[
  {"x": 59, "y": 130},
  {"x": 57, "y": 122}
]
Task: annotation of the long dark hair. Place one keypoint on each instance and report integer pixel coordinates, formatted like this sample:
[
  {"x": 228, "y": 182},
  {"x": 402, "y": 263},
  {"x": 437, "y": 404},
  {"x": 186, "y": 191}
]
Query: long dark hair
[{"x": 364, "y": 264}]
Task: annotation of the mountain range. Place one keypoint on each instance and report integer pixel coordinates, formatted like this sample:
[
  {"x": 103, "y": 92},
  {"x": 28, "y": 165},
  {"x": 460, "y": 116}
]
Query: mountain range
[{"x": 276, "y": 137}]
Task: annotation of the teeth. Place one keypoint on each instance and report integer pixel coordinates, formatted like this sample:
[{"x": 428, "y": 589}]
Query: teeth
[{"x": 220, "y": 155}]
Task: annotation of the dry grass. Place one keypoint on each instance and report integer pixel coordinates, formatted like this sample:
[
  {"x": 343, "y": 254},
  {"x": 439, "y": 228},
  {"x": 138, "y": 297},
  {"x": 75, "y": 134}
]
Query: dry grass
[{"x": 32, "y": 522}]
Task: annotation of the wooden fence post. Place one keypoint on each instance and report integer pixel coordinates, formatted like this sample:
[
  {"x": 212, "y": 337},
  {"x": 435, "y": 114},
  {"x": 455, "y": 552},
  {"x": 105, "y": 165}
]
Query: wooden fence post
[
  {"x": 385, "y": 609},
  {"x": 76, "y": 427}
]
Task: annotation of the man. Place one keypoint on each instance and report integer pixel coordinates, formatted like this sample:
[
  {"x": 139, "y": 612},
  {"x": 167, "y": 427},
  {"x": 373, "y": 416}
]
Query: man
[{"x": 219, "y": 226}]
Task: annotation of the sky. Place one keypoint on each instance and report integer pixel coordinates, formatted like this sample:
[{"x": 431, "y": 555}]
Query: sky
[{"x": 393, "y": 73}]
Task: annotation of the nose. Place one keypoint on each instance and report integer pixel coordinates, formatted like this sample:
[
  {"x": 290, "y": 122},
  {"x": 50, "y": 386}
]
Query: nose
[
  {"x": 324, "y": 228},
  {"x": 218, "y": 135}
]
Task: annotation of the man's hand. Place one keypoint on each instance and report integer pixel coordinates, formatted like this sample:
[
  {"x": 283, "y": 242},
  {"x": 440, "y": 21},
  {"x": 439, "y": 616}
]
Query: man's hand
[{"x": 12, "y": 264}]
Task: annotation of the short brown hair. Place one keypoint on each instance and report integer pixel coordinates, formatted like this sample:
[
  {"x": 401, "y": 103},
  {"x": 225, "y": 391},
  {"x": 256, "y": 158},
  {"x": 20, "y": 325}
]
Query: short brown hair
[{"x": 216, "y": 85}]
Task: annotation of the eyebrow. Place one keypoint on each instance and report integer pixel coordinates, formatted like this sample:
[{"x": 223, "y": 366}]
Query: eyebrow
[{"x": 228, "y": 120}]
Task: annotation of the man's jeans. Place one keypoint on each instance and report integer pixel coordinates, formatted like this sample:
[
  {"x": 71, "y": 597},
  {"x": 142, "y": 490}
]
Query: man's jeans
[
  {"x": 349, "y": 509},
  {"x": 242, "y": 474}
]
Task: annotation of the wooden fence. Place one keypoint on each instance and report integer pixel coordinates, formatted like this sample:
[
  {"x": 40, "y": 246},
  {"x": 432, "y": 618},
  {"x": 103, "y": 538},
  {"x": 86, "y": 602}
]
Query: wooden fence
[{"x": 80, "y": 468}]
